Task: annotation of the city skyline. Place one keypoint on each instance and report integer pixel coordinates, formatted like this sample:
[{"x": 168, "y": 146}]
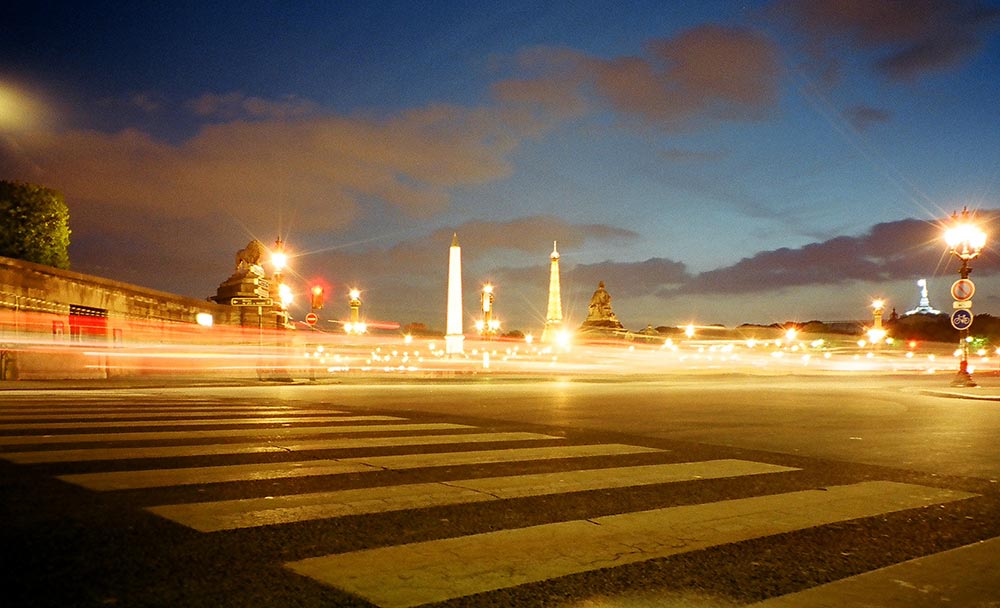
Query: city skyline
[{"x": 711, "y": 162}]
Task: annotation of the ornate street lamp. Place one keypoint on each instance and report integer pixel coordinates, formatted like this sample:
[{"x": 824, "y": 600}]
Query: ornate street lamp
[
  {"x": 282, "y": 292},
  {"x": 355, "y": 325},
  {"x": 966, "y": 241},
  {"x": 285, "y": 295},
  {"x": 488, "y": 325},
  {"x": 278, "y": 259},
  {"x": 877, "y": 333}
]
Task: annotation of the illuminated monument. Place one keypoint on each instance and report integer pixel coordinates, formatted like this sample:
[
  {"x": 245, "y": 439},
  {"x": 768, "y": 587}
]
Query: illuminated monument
[
  {"x": 600, "y": 317},
  {"x": 454, "y": 336},
  {"x": 553, "y": 314},
  {"x": 924, "y": 306}
]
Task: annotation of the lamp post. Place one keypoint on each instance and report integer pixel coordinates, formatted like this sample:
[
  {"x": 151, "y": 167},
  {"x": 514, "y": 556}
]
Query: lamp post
[
  {"x": 878, "y": 306},
  {"x": 877, "y": 333},
  {"x": 966, "y": 241},
  {"x": 279, "y": 259},
  {"x": 355, "y": 325},
  {"x": 488, "y": 325}
]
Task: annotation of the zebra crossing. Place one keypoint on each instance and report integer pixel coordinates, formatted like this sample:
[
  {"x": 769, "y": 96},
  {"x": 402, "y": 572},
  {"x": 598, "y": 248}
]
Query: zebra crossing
[{"x": 121, "y": 447}]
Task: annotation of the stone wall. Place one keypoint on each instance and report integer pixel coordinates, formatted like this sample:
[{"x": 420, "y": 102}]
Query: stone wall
[{"x": 51, "y": 320}]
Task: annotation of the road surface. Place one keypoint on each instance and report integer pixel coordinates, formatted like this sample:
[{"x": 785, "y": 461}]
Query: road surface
[{"x": 713, "y": 490}]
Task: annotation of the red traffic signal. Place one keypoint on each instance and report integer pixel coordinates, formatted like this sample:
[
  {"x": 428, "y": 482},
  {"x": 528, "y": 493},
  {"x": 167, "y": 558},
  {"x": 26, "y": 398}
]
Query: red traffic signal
[{"x": 317, "y": 297}]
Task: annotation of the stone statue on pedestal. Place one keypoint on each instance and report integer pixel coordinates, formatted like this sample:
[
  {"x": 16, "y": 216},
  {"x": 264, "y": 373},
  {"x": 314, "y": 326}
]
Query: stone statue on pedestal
[
  {"x": 250, "y": 255},
  {"x": 599, "y": 313},
  {"x": 248, "y": 280}
]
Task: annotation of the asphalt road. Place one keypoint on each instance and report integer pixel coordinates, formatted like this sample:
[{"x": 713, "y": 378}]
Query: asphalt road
[{"x": 747, "y": 488}]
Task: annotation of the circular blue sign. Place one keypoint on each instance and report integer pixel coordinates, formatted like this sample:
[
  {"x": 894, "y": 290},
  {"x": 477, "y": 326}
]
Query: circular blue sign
[{"x": 961, "y": 319}]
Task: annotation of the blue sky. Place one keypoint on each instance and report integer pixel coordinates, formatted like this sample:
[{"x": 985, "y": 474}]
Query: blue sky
[{"x": 711, "y": 162}]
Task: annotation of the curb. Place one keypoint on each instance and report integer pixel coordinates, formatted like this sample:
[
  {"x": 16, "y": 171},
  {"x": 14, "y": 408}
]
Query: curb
[{"x": 956, "y": 395}]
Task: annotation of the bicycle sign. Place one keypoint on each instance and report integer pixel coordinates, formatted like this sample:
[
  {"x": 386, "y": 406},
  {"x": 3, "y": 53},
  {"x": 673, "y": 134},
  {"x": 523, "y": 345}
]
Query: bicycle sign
[{"x": 961, "y": 319}]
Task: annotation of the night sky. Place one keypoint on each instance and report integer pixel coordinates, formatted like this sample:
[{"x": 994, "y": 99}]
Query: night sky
[{"x": 711, "y": 162}]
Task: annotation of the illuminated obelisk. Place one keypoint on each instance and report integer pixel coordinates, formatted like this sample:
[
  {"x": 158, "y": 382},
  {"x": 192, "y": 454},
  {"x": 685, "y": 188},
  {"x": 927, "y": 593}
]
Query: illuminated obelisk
[
  {"x": 454, "y": 336},
  {"x": 553, "y": 314}
]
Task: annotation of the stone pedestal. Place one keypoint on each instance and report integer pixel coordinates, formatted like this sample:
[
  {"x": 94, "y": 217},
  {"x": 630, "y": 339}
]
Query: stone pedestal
[{"x": 249, "y": 282}]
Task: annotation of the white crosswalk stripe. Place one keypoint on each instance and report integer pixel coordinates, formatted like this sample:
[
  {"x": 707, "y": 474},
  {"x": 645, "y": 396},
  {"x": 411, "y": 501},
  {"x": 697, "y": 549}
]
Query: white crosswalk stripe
[
  {"x": 228, "y": 515},
  {"x": 407, "y": 575},
  {"x": 434, "y": 571},
  {"x": 198, "y": 434},
  {"x": 203, "y": 422},
  {"x": 124, "y": 480},
  {"x": 261, "y": 447}
]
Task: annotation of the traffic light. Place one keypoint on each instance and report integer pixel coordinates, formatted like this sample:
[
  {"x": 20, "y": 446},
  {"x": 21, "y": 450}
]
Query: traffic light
[{"x": 317, "y": 297}]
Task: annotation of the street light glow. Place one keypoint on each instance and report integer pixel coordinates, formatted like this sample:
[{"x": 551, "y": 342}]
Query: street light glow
[
  {"x": 285, "y": 294},
  {"x": 965, "y": 239},
  {"x": 278, "y": 260},
  {"x": 278, "y": 257}
]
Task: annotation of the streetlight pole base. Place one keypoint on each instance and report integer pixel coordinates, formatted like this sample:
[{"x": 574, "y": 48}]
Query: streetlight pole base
[{"x": 963, "y": 380}]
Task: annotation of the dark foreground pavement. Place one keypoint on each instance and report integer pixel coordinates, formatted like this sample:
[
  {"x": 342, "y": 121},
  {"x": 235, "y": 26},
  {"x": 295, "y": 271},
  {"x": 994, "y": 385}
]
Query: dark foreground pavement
[{"x": 834, "y": 489}]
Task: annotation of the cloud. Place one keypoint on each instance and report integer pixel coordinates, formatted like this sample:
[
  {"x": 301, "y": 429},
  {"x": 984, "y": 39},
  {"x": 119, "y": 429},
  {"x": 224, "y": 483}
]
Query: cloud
[
  {"x": 632, "y": 278},
  {"x": 322, "y": 166},
  {"x": 706, "y": 73},
  {"x": 864, "y": 117},
  {"x": 188, "y": 256},
  {"x": 910, "y": 38},
  {"x": 256, "y": 156},
  {"x": 692, "y": 156},
  {"x": 236, "y": 105},
  {"x": 555, "y": 95},
  {"x": 530, "y": 237},
  {"x": 147, "y": 102},
  {"x": 889, "y": 251}
]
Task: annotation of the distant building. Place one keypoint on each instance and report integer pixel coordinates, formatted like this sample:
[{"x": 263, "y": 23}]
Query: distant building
[{"x": 924, "y": 306}]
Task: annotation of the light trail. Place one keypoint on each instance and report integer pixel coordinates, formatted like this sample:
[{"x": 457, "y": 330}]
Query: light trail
[{"x": 143, "y": 348}]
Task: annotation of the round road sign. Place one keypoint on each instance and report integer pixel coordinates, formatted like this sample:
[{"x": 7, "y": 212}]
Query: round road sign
[
  {"x": 311, "y": 318},
  {"x": 963, "y": 289},
  {"x": 961, "y": 319}
]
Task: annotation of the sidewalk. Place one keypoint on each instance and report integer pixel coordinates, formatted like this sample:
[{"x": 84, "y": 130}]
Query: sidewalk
[
  {"x": 968, "y": 576},
  {"x": 976, "y": 394}
]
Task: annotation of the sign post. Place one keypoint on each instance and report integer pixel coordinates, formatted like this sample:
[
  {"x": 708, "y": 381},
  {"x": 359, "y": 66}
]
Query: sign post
[{"x": 251, "y": 302}]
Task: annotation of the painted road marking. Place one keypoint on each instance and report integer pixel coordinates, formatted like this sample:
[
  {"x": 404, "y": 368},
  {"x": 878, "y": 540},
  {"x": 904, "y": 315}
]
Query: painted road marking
[
  {"x": 130, "y": 480},
  {"x": 202, "y": 422},
  {"x": 247, "y": 513},
  {"x": 194, "y": 434},
  {"x": 88, "y": 454},
  {"x": 434, "y": 571}
]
